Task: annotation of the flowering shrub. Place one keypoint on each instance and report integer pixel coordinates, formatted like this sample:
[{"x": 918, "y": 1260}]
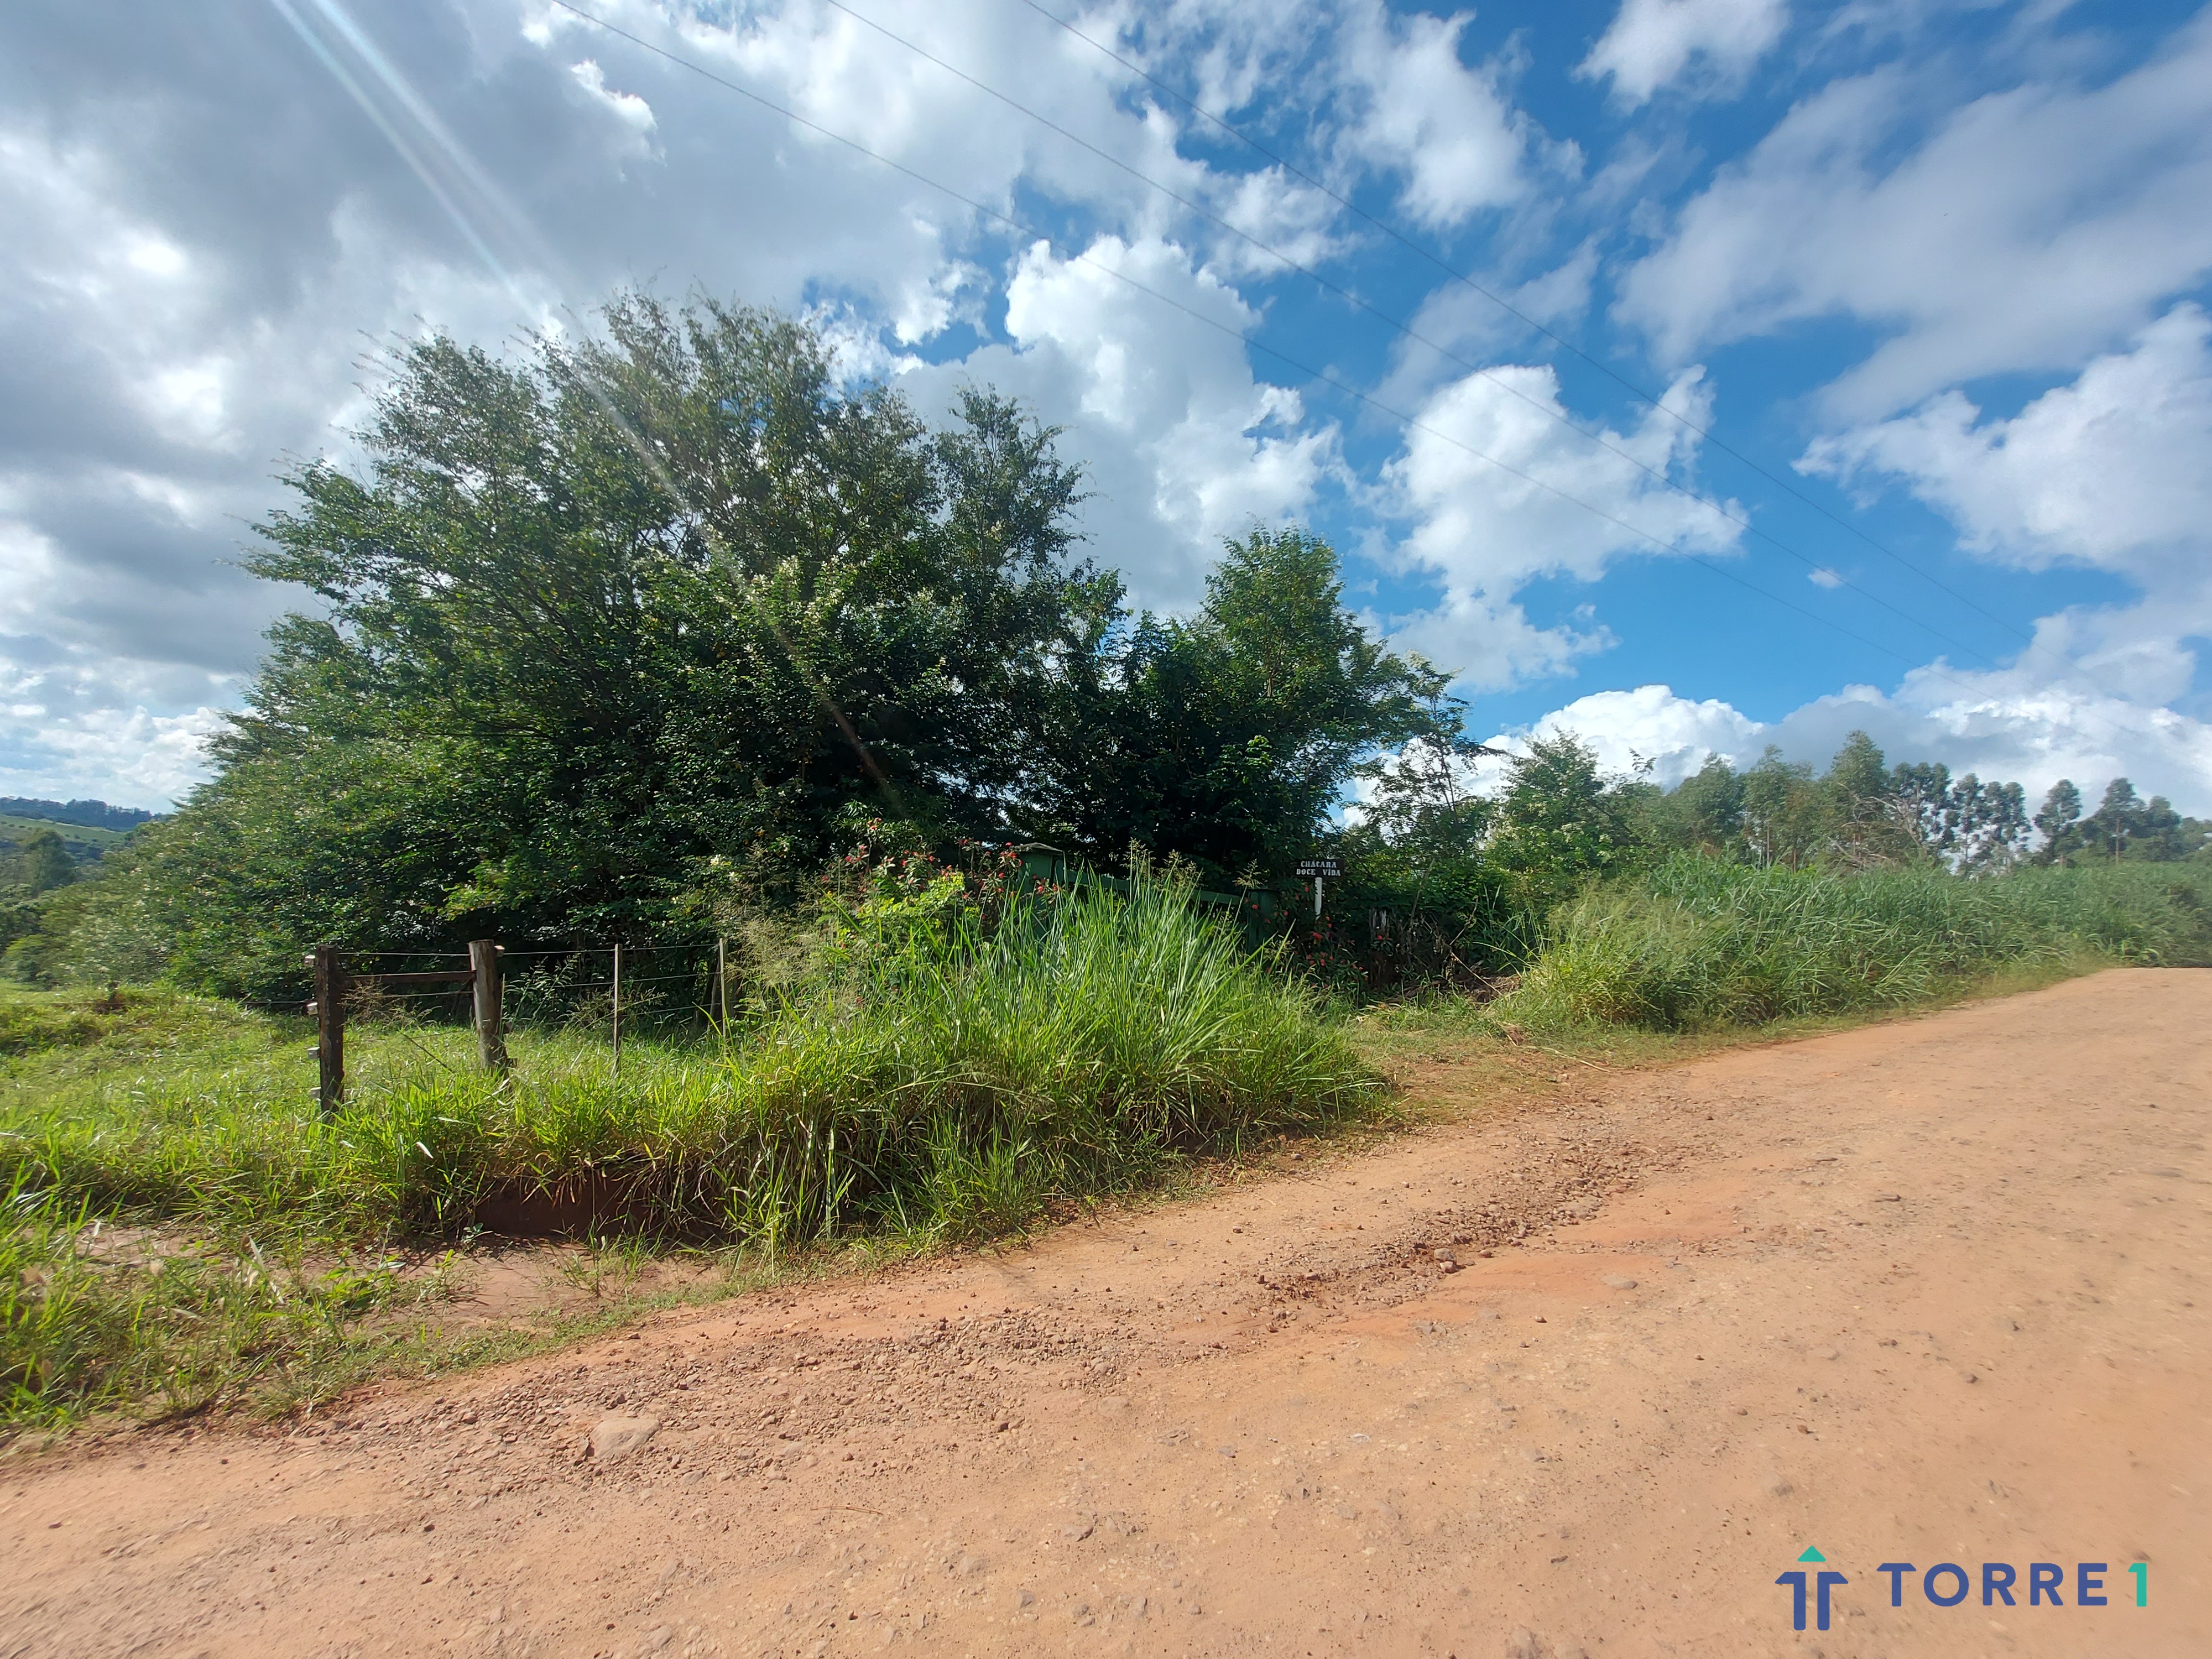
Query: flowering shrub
[
  {"x": 1324, "y": 951},
  {"x": 879, "y": 904}
]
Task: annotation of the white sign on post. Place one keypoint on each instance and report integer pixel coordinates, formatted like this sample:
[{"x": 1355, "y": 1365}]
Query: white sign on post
[{"x": 1320, "y": 871}]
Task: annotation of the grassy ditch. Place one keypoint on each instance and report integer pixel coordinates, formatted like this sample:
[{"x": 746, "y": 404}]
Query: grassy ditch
[{"x": 936, "y": 1083}]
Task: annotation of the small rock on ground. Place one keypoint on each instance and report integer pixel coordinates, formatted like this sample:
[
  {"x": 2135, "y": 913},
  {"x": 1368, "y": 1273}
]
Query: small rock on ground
[{"x": 619, "y": 1436}]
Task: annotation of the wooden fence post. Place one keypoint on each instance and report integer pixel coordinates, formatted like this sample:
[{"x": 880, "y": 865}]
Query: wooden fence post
[
  {"x": 330, "y": 1028},
  {"x": 491, "y": 1035},
  {"x": 617, "y": 1008}
]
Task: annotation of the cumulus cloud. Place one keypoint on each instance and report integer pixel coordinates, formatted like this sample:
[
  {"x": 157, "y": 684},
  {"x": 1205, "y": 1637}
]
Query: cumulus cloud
[
  {"x": 1447, "y": 128},
  {"x": 1707, "y": 46},
  {"x": 1184, "y": 446},
  {"x": 1361, "y": 85},
  {"x": 124, "y": 755},
  {"x": 1650, "y": 726},
  {"x": 2108, "y": 471},
  {"x": 2020, "y": 231},
  {"x": 1549, "y": 502}
]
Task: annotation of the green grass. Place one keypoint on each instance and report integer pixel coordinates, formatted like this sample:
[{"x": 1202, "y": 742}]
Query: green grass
[
  {"x": 947, "y": 1089},
  {"x": 1700, "y": 945},
  {"x": 929, "y": 1084},
  {"x": 181, "y": 1330},
  {"x": 945, "y": 1086}
]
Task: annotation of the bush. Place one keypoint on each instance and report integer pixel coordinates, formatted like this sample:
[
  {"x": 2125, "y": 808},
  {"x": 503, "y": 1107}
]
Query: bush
[{"x": 1703, "y": 942}]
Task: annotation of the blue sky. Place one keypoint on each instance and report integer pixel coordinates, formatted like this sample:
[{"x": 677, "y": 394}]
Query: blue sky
[{"x": 1935, "y": 272}]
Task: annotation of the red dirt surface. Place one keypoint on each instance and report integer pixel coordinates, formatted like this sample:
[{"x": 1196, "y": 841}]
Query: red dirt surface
[{"x": 1930, "y": 1292}]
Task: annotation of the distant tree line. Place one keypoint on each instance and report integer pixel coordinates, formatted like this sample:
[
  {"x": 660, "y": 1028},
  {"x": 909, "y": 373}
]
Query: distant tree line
[
  {"x": 1465, "y": 878},
  {"x": 36, "y": 866},
  {"x": 86, "y": 814},
  {"x": 31, "y": 870},
  {"x": 1560, "y": 820},
  {"x": 631, "y": 637}
]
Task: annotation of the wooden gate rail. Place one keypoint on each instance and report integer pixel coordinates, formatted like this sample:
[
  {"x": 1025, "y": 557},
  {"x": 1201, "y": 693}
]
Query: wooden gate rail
[{"x": 332, "y": 982}]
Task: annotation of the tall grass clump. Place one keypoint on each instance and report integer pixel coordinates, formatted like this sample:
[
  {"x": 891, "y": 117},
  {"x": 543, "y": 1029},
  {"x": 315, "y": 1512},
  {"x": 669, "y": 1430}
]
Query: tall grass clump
[
  {"x": 945, "y": 1079},
  {"x": 80, "y": 1329},
  {"x": 1699, "y": 943}
]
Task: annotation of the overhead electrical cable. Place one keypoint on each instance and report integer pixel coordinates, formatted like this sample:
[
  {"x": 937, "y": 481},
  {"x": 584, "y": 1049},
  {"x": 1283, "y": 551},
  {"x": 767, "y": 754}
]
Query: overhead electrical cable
[
  {"x": 1349, "y": 297},
  {"x": 476, "y": 183},
  {"x": 1836, "y": 578},
  {"x": 1324, "y": 377},
  {"x": 1459, "y": 277}
]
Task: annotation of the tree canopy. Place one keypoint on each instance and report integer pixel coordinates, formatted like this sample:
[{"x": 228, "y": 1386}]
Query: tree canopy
[
  {"x": 671, "y": 599},
  {"x": 2124, "y": 826}
]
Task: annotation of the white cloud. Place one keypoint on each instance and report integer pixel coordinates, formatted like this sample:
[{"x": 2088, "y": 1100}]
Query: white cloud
[
  {"x": 73, "y": 728},
  {"x": 1183, "y": 444},
  {"x": 2108, "y": 471},
  {"x": 2113, "y": 471},
  {"x": 126, "y": 757},
  {"x": 627, "y": 107},
  {"x": 1448, "y": 128},
  {"x": 1569, "y": 506},
  {"x": 1354, "y": 82},
  {"x": 1709, "y": 43},
  {"x": 1650, "y": 724},
  {"x": 2025, "y": 230},
  {"x": 1277, "y": 213}
]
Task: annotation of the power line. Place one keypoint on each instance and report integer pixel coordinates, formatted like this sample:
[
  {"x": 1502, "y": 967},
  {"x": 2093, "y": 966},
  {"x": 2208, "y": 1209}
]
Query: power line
[
  {"x": 1325, "y": 378},
  {"x": 1352, "y": 298},
  {"x": 1510, "y": 309},
  {"x": 457, "y": 159},
  {"x": 1836, "y": 578}
]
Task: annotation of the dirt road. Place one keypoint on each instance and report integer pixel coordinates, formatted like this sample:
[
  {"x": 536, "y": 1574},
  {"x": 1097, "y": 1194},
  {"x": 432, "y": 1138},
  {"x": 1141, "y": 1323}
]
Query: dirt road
[{"x": 1930, "y": 1292}]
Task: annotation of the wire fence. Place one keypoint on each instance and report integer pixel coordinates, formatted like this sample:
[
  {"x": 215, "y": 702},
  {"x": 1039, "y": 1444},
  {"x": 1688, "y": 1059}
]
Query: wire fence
[{"x": 637, "y": 988}]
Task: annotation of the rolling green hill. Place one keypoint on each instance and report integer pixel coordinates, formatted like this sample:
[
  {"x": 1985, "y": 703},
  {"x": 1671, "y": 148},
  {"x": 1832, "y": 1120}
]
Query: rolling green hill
[{"x": 84, "y": 842}]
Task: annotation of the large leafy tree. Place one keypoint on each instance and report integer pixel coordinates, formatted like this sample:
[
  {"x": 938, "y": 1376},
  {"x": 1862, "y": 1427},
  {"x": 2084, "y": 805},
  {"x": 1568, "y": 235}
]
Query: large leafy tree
[
  {"x": 1784, "y": 811},
  {"x": 629, "y": 602},
  {"x": 1705, "y": 810},
  {"x": 627, "y": 625},
  {"x": 1563, "y": 821},
  {"x": 1228, "y": 736}
]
